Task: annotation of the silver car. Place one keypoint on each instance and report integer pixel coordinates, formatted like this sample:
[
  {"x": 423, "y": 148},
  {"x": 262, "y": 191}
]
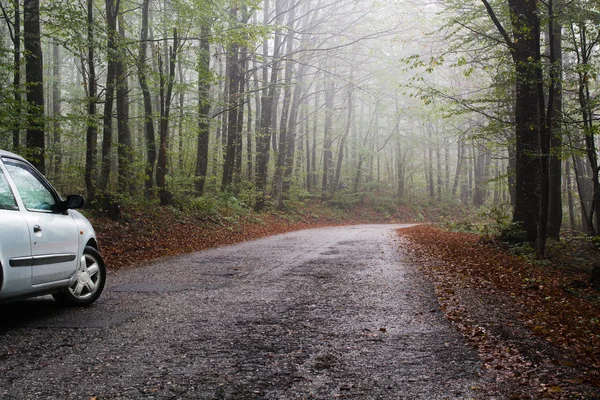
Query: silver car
[{"x": 46, "y": 247}]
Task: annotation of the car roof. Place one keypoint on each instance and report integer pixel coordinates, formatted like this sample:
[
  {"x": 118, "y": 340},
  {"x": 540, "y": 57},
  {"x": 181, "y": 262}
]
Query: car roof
[{"x": 4, "y": 153}]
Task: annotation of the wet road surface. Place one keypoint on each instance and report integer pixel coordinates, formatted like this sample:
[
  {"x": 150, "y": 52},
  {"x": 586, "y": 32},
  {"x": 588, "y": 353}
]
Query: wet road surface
[{"x": 315, "y": 314}]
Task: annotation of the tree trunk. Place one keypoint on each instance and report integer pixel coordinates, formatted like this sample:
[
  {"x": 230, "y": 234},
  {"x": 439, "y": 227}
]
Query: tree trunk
[
  {"x": 481, "y": 170},
  {"x": 148, "y": 117},
  {"x": 527, "y": 111},
  {"x": 459, "y": 163},
  {"x": 233, "y": 77},
  {"x": 204, "y": 79},
  {"x": 268, "y": 109},
  {"x": 124, "y": 150},
  {"x": 112, "y": 10},
  {"x": 327, "y": 156},
  {"x": 589, "y": 137},
  {"x": 584, "y": 189},
  {"x": 554, "y": 118},
  {"x": 92, "y": 130},
  {"x": 313, "y": 165},
  {"x": 166, "y": 90},
  {"x": 285, "y": 109},
  {"x": 525, "y": 51},
  {"x": 56, "y": 100},
  {"x": 242, "y": 76},
  {"x": 511, "y": 172},
  {"x": 338, "y": 167},
  {"x": 249, "y": 133},
  {"x": 569, "y": 189},
  {"x": 430, "y": 161},
  {"x": 439, "y": 172},
  {"x": 291, "y": 133},
  {"x": 181, "y": 144},
  {"x": 16, "y": 136},
  {"x": 34, "y": 74}
]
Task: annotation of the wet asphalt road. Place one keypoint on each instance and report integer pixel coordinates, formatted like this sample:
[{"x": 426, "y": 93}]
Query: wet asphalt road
[{"x": 323, "y": 313}]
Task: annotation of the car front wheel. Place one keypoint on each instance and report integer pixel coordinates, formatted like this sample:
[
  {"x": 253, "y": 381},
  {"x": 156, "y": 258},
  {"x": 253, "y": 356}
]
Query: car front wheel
[{"x": 87, "y": 284}]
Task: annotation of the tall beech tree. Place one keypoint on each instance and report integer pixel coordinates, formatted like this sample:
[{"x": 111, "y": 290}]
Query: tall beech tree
[
  {"x": 147, "y": 96},
  {"x": 524, "y": 48},
  {"x": 167, "y": 80},
  {"x": 34, "y": 77},
  {"x": 91, "y": 141},
  {"x": 112, "y": 13},
  {"x": 202, "y": 152}
]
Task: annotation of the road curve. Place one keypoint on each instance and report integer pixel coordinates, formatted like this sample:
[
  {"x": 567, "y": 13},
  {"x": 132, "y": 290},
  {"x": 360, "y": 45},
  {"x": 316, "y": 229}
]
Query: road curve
[{"x": 314, "y": 314}]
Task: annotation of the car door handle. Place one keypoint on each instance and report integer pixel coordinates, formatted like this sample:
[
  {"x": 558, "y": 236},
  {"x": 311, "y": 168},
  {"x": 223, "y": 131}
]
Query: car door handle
[{"x": 37, "y": 229}]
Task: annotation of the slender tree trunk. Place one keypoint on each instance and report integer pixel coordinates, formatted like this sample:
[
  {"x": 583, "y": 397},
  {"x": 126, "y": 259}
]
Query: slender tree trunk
[
  {"x": 313, "y": 165},
  {"x": 569, "y": 190},
  {"x": 291, "y": 133},
  {"x": 430, "y": 161},
  {"x": 112, "y": 10},
  {"x": 439, "y": 173},
  {"x": 34, "y": 74},
  {"x": 242, "y": 76},
  {"x": 16, "y": 136},
  {"x": 203, "y": 109},
  {"x": 92, "y": 130},
  {"x": 148, "y": 117},
  {"x": 166, "y": 90},
  {"x": 285, "y": 109},
  {"x": 338, "y": 167},
  {"x": 56, "y": 100},
  {"x": 233, "y": 77},
  {"x": 459, "y": 164},
  {"x": 249, "y": 123},
  {"x": 589, "y": 137},
  {"x": 481, "y": 176},
  {"x": 327, "y": 128},
  {"x": 308, "y": 154},
  {"x": 584, "y": 189},
  {"x": 268, "y": 108},
  {"x": 124, "y": 150},
  {"x": 554, "y": 118},
  {"x": 180, "y": 147}
]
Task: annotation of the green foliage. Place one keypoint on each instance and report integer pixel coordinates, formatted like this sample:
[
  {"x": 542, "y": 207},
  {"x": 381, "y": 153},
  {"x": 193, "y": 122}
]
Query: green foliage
[
  {"x": 461, "y": 226},
  {"x": 514, "y": 233},
  {"x": 524, "y": 250},
  {"x": 109, "y": 204},
  {"x": 345, "y": 200},
  {"x": 222, "y": 205},
  {"x": 501, "y": 216},
  {"x": 385, "y": 204}
]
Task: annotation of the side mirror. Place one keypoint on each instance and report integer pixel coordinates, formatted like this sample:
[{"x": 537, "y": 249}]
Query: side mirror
[{"x": 74, "y": 201}]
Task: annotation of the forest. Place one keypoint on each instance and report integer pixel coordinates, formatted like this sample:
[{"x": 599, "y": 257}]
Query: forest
[{"x": 484, "y": 104}]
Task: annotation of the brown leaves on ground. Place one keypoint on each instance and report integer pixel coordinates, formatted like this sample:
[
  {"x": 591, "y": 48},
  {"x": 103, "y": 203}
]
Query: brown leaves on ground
[{"x": 536, "y": 335}]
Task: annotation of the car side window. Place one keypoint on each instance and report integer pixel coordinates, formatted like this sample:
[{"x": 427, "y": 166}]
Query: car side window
[
  {"x": 36, "y": 196},
  {"x": 7, "y": 198}
]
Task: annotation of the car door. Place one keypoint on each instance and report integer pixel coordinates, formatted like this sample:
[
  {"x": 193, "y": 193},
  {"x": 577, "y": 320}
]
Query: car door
[
  {"x": 54, "y": 235},
  {"x": 15, "y": 248}
]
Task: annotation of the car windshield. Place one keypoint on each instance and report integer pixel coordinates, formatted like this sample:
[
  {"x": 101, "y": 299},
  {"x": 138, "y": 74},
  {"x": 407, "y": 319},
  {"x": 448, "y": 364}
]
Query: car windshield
[{"x": 32, "y": 189}]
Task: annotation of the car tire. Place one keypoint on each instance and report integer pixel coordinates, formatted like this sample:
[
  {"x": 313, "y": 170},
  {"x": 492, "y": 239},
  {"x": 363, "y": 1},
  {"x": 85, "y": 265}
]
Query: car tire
[{"x": 87, "y": 284}]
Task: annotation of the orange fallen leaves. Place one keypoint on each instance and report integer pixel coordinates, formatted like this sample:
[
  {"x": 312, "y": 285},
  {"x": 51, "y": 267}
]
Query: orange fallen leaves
[{"x": 462, "y": 260}]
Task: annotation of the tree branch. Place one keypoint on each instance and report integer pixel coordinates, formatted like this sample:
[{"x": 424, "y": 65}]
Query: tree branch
[{"x": 498, "y": 24}]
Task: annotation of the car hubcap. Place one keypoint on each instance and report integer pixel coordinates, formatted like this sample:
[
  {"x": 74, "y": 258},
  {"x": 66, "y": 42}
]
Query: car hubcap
[{"x": 88, "y": 278}]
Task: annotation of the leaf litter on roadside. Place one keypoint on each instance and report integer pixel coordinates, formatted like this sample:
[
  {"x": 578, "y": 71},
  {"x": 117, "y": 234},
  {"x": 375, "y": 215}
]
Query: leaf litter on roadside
[{"x": 535, "y": 339}]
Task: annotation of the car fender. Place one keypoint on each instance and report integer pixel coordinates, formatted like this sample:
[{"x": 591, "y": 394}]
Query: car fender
[{"x": 86, "y": 231}]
